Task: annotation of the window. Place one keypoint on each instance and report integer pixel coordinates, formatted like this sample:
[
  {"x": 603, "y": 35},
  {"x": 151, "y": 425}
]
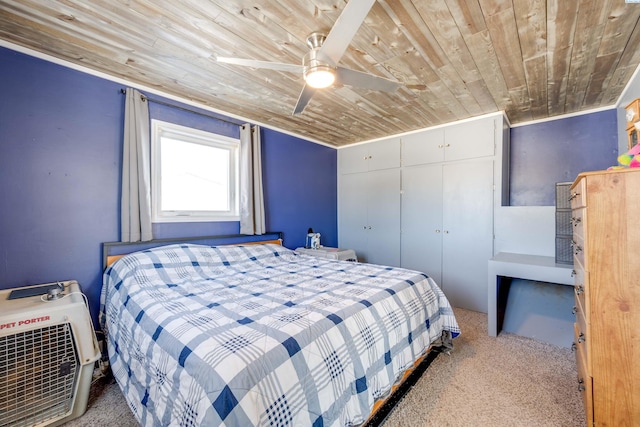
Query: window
[{"x": 194, "y": 174}]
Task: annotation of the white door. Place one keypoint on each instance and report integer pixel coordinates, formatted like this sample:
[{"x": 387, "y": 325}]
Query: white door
[
  {"x": 423, "y": 147},
  {"x": 383, "y": 211},
  {"x": 467, "y": 232},
  {"x": 353, "y": 223},
  {"x": 383, "y": 154},
  {"x": 421, "y": 223},
  {"x": 470, "y": 140}
]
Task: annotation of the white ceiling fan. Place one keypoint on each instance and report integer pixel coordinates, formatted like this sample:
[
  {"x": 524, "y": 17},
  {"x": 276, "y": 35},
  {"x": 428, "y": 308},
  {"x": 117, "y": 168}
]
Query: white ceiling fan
[{"x": 319, "y": 66}]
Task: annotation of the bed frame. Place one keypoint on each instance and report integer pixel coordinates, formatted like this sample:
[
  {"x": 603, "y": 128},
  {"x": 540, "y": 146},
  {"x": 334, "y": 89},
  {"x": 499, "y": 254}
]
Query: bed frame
[{"x": 112, "y": 251}]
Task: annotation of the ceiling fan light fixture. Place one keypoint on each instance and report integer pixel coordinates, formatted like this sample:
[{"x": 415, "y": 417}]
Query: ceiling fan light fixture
[{"x": 320, "y": 76}]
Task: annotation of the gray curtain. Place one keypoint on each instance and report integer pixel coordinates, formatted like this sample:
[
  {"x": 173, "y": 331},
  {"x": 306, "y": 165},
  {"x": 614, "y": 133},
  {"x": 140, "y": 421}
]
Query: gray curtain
[
  {"x": 135, "y": 216},
  {"x": 252, "y": 219}
]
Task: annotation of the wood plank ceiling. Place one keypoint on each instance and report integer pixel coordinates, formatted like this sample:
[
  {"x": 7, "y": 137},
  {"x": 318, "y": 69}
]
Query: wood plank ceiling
[{"x": 456, "y": 58}]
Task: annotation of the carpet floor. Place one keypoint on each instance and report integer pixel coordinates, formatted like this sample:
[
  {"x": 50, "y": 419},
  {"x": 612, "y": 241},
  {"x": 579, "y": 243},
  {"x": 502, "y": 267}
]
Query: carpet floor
[{"x": 486, "y": 381}]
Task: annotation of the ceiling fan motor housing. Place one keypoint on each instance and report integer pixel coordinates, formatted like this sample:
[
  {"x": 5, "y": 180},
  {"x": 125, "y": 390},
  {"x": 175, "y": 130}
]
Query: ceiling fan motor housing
[{"x": 317, "y": 72}]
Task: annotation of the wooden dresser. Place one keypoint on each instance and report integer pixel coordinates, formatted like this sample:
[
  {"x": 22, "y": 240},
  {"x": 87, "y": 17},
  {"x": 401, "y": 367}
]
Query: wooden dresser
[{"x": 606, "y": 247}]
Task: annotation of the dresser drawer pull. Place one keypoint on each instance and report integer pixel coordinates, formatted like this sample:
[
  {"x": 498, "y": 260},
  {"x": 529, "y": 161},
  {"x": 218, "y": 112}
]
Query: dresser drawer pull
[
  {"x": 581, "y": 386},
  {"x": 573, "y": 196},
  {"x": 581, "y": 338}
]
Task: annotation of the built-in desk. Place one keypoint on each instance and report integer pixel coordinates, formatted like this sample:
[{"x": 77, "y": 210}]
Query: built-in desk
[{"x": 505, "y": 266}]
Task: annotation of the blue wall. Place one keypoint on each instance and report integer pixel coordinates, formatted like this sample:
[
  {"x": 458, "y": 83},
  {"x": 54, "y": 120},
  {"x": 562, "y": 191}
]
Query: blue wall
[
  {"x": 557, "y": 151},
  {"x": 60, "y": 165}
]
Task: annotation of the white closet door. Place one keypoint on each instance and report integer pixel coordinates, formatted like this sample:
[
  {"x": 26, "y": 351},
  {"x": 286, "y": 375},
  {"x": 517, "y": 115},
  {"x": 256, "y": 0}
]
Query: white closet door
[
  {"x": 421, "y": 246},
  {"x": 383, "y": 211},
  {"x": 467, "y": 232},
  {"x": 470, "y": 140},
  {"x": 353, "y": 222},
  {"x": 353, "y": 159},
  {"x": 384, "y": 154},
  {"x": 423, "y": 147}
]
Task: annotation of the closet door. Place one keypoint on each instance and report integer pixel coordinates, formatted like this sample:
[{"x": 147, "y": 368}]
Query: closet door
[
  {"x": 470, "y": 140},
  {"x": 423, "y": 147},
  {"x": 467, "y": 241},
  {"x": 353, "y": 159},
  {"x": 421, "y": 238},
  {"x": 353, "y": 199},
  {"x": 383, "y": 212},
  {"x": 370, "y": 215}
]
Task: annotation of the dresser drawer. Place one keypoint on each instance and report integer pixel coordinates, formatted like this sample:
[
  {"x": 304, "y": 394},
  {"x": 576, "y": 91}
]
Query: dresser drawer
[
  {"x": 581, "y": 287},
  {"x": 585, "y": 385},
  {"x": 579, "y": 251},
  {"x": 578, "y": 194},
  {"x": 581, "y": 329},
  {"x": 578, "y": 221}
]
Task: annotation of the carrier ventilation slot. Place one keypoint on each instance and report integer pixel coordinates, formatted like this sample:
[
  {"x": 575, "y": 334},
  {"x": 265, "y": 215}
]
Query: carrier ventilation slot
[{"x": 38, "y": 375}]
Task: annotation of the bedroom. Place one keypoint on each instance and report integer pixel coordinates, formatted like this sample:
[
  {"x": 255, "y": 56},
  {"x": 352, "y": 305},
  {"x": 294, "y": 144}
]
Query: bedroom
[{"x": 60, "y": 155}]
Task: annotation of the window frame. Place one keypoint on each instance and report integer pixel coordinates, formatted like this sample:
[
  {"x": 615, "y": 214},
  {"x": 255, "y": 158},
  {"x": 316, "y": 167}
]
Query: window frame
[{"x": 161, "y": 129}]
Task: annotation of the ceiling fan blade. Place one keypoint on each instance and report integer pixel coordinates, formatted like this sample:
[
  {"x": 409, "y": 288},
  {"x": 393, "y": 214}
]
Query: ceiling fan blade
[
  {"x": 344, "y": 29},
  {"x": 293, "y": 68},
  {"x": 304, "y": 98},
  {"x": 349, "y": 77}
]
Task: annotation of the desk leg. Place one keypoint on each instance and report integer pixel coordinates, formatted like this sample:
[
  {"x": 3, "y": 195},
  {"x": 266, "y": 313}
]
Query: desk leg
[{"x": 503, "y": 284}]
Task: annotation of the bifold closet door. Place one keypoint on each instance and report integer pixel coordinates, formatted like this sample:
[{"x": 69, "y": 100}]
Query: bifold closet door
[{"x": 467, "y": 239}]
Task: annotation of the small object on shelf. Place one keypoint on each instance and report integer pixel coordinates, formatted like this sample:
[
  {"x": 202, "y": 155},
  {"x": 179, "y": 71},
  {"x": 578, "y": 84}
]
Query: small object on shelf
[{"x": 313, "y": 240}]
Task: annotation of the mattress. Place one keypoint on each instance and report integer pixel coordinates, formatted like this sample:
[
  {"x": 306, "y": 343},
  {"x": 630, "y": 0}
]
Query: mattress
[{"x": 260, "y": 335}]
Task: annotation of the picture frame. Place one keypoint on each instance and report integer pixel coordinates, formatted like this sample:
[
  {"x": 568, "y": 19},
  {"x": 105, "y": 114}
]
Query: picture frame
[{"x": 632, "y": 137}]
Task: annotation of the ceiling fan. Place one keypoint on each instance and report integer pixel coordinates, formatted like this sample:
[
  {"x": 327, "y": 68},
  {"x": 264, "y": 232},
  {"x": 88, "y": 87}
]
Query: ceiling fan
[{"x": 319, "y": 66}]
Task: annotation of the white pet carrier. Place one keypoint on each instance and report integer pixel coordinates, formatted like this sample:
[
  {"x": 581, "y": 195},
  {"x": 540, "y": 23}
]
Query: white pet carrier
[{"x": 48, "y": 350}]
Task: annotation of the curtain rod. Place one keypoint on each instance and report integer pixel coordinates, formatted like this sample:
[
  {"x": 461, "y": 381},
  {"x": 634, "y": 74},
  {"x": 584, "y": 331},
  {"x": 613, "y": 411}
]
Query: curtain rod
[{"x": 167, "y": 104}]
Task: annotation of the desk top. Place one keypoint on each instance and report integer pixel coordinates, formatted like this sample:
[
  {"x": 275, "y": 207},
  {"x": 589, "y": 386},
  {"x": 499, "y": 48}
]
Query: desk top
[
  {"x": 534, "y": 260},
  {"x": 531, "y": 267}
]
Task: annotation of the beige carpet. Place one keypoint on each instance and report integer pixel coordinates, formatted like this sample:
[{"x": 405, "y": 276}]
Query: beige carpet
[{"x": 485, "y": 381}]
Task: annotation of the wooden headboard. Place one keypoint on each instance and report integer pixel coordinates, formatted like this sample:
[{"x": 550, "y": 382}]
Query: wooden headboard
[{"x": 113, "y": 251}]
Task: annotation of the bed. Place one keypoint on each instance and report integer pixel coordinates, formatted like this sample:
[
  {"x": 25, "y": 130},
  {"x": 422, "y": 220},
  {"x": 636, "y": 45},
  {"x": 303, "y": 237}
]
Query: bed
[{"x": 257, "y": 334}]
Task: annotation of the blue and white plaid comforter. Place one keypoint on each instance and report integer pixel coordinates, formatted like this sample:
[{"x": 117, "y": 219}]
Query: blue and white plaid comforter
[{"x": 258, "y": 335}]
